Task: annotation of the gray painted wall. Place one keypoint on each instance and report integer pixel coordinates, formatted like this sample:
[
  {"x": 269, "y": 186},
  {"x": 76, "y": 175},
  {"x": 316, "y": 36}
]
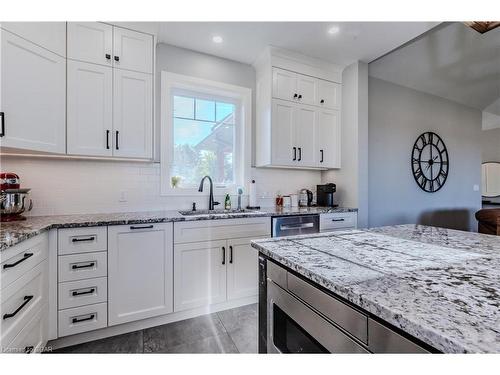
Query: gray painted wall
[
  {"x": 490, "y": 145},
  {"x": 397, "y": 115}
]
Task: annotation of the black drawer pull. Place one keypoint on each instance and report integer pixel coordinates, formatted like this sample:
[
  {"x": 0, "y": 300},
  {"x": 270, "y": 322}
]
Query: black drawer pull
[
  {"x": 83, "y": 239},
  {"x": 117, "y": 58},
  {"x": 142, "y": 227},
  {"x": 26, "y": 301},
  {"x": 76, "y": 266},
  {"x": 294, "y": 153},
  {"x": 90, "y": 291},
  {"x": 29, "y": 349},
  {"x": 338, "y": 219},
  {"x": 107, "y": 139},
  {"x": 26, "y": 256},
  {"x": 223, "y": 255},
  {"x": 321, "y": 151},
  {"x": 116, "y": 140},
  {"x": 76, "y": 320},
  {"x": 230, "y": 254},
  {"x": 2, "y": 124},
  {"x": 108, "y": 56},
  {"x": 300, "y": 154}
]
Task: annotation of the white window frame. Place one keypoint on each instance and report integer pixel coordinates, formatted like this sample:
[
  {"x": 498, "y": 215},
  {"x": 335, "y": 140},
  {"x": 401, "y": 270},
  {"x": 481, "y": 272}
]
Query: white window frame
[{"x": 173, "y": 83}]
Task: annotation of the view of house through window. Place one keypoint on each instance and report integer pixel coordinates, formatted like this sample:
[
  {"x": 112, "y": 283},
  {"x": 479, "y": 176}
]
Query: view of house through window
[{"x": 204, "y": 133}]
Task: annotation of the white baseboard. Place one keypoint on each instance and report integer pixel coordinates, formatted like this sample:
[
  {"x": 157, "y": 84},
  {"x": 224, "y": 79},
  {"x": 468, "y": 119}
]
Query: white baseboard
[{"x": 147, "y": 323}]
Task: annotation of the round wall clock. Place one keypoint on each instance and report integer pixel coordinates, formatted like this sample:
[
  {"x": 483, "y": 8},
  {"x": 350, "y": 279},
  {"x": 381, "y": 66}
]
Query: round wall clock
[{"x": 429, "y": 162}]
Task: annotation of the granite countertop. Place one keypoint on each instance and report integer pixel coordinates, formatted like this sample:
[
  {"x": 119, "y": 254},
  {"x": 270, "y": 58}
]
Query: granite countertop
[
  {"x": 15, "y": 232},
  {"x": 441, "y": 286}
]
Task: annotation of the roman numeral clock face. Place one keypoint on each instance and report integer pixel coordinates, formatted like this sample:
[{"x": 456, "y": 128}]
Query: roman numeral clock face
[{"x": 430, "y": 162}]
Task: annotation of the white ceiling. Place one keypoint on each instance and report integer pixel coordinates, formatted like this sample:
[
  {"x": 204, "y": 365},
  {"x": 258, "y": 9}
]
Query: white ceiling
[
  {"x": 453, "y": 62},
  {"x": 244, "y": 41}
]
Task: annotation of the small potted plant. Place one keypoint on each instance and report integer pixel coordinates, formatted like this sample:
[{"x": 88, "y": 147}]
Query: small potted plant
[{"x": 175, "y": 181}]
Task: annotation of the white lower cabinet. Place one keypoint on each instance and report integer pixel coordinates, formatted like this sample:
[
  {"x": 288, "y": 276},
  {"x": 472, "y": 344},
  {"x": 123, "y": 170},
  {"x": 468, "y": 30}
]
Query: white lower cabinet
[
  {"x": 140, "y": 273},
  {"x": 242, "y": 269},
  {"x": 199, "y": 274}
]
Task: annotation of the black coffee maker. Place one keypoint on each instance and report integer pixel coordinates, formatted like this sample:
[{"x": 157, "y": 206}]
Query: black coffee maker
[{"x": 325, "y": 195}]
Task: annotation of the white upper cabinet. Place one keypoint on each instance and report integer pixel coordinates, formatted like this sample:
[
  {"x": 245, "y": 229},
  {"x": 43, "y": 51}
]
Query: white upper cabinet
[
  {"x": 298, "y": 111},
  {"x": 132, "y": 114},
  {"x": 90, "y": 109},
  {"x": 328, "y": 94},
  {"x": 140, "y": 271},
  {"x": 328, "y": 135},
  {"x": 284, "y": 84},
  {"x": 49, "y": 35},
  {"x": 32, "y": 96},
  {"x": 307, "y": 89},
  {"x": 132, "y": 50},
  {"x": 90, "y": 42},
  {"x": 283, "y": 150}
]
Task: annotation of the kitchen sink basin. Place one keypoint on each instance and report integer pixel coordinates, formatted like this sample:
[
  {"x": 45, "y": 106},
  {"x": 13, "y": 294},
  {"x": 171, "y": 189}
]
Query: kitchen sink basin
[{"x": 218, "y": 212}]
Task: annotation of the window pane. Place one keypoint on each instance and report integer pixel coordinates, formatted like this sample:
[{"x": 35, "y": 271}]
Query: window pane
[
  {"x": 205, "y": 110},
  {"x": 203, "y": 148},
  {"x": 183, "y": 107},
  {"x": 225, "y": 111}
]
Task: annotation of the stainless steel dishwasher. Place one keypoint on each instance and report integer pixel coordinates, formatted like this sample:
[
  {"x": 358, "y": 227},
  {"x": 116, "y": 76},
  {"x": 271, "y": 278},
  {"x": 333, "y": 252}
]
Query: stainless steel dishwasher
[{"x": 294, "y": 225}]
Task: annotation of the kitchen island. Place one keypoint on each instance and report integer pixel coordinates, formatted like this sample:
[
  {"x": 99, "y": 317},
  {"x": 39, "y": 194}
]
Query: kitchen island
[{"x": 439, "y": 288}]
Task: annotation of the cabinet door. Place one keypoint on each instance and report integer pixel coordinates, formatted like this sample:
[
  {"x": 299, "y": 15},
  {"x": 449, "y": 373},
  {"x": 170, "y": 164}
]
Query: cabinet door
[
  {"x": 132, "y": 50},
  {"x": 49, "y": 35},
  {"x": 199, "y": 274},
  {"x": 90, "y": 42},
  {"x": 328, "y": 145},
  {"x": 328, "y": 94},
  {"x": 284, "y": 84},
  {"x": 283, "y": 149},
  {"x": 242, "y": 270},
  {"x": 305, "y": 135},
  {"x": 132, "y": 114},
  {"x": 32, "y": 96},
  {"x": 90, "y": 109},
  {"x": 140, "y": 271},
  {"x": 307, "y": 88}
]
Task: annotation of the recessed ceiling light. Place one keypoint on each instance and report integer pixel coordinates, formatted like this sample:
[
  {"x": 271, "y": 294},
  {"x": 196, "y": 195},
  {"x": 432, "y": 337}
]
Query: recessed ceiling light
[
  {"x": 217, "y": 39},
  {"x": 333, "y": 30}
]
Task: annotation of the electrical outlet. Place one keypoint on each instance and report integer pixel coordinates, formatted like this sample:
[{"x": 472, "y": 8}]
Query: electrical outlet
[{"x": 123, "y": 196}]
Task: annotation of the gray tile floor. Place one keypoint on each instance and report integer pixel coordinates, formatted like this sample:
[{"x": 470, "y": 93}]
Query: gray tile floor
[{"x": 230, "y": 331}]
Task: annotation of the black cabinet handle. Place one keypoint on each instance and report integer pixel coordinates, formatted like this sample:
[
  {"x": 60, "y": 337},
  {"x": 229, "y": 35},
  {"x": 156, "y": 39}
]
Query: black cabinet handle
[
  {"x": 295, "y": 96},
  {"x": 300, "y": 96},
  {"x": 294, "y": 153},
  {"x": 338, "y": 219},
  {"x": 300, "y": 154},
  {"x": 90, "y": 291},
  {"x": 223, "y": 255},
  {"x": 76, "y": 320},
  {"x": 116, "y": 139},
  {"x": 230, "y": 254},
  {"x": 77, "y": 267},
  {"x": 107, "y": 139},
  {"x": 2, "y": 124},
  {"x": 29, "y": 349},
  {"x": 26, "y": 301},
  {"x": 83, "y": 239},
  {"x": 321, "y": 151},
  {"x": 322, "y": 101},
  {"x": 25, "y": 256},
  {"x": 142, "y": 227},
  {"x": 117, "y": 58},
  {"x": 108, "y": 56}
]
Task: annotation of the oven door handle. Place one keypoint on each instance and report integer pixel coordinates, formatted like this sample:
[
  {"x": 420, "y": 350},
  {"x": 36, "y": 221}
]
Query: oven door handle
[{"x": 296, "y": 226}]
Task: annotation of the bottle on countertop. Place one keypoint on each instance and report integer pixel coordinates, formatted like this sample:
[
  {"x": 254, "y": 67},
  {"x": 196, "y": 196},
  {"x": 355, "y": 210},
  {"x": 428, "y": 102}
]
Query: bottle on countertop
[{"x": 227, "y": 202}]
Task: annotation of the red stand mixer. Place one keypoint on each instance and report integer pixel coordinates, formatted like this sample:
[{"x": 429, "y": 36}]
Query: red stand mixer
[{"x": 13, "y": 200}]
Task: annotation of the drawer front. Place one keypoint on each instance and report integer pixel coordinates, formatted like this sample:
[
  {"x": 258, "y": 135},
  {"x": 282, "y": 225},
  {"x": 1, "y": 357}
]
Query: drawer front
[
  {"x": 331, "y": 222},
  {"x": 350, "y": 319},
  {"x": 83, "y": 292},
  {"x": 20, "y": 300},
  {"x": 33, "y": 336},
  {"x": 82, "y": 266},
  {"x": 82, "y": 319},
  {"x": 22, "y": 258},
  {"x": 385, "y": 340},
  {"x": 82, "y": 240},
  {"x": 212, "y": 230}
]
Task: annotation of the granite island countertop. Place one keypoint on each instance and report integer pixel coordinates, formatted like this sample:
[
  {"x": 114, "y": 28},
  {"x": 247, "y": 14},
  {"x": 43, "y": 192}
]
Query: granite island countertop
[
  {"x": 441, "y": 286},
  {"x": 12, "y": 233}
]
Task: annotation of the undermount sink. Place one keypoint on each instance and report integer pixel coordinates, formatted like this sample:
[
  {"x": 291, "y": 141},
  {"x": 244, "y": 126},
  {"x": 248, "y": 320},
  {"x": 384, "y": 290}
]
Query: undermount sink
[{"x": 218, "y": 212}]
